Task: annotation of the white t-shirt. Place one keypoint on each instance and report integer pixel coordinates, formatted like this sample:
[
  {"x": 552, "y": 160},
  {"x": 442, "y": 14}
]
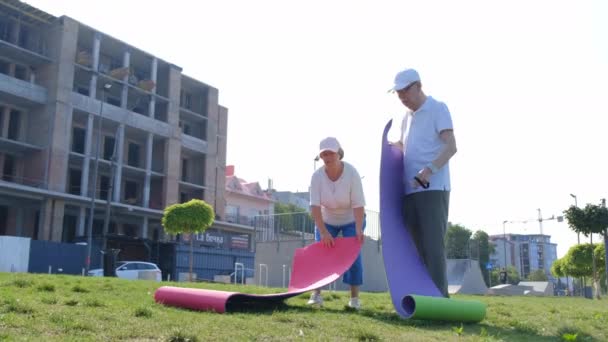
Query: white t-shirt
[
  {"x": 422, "y": 144},
  {"x": 337, "y": 199}
]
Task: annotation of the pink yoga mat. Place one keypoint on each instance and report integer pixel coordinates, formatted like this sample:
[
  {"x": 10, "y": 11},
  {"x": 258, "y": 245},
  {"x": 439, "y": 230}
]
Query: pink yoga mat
[{"x": 313, "y": 266}]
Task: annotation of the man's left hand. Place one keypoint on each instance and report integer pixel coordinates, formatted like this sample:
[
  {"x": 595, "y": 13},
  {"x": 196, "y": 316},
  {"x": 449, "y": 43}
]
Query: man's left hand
[{"x": 424, "y": 175}]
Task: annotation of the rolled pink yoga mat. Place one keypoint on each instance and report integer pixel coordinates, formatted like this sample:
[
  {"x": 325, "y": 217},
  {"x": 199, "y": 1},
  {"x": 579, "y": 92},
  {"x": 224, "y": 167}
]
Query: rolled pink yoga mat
[{"x": 313, "y": 266}]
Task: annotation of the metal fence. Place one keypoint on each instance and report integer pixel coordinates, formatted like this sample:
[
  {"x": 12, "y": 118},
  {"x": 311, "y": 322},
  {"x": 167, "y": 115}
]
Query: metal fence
[{"x": 300, "y": 226}]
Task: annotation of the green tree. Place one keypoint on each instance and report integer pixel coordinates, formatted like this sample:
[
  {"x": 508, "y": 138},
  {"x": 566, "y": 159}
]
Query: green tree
[
  {"x": 593, "y": 219},
  {"x": 538, "y": 275},
  {"x": 191, "y": 217},
  {"x": 485, "y": 249},
  {"x": 289, "y": 217},
  {"x": 284, "y": 208},
  {"x": 577, "y": 262},
  {"x": 512, "y": 276},
  {"x": 559, "y": 269},
  {"x": 457, "y": 242}
]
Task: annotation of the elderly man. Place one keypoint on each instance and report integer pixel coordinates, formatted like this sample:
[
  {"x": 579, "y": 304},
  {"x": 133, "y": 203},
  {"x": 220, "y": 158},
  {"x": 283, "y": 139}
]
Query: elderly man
[{"x": 428, "y": 143}]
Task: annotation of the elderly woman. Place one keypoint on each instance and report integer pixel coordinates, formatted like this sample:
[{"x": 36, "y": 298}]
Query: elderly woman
[{"x": 337, "y": 203}]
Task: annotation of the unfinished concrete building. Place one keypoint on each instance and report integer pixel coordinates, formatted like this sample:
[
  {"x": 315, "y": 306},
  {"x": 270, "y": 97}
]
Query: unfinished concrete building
[{"x": 83, "y": 114}]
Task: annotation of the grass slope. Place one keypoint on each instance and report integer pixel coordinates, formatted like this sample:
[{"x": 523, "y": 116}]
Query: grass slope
[{"x": 70, "y": 308}]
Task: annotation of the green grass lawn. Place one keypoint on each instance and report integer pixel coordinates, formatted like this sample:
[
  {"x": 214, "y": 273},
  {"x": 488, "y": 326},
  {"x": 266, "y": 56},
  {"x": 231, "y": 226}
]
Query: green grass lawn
[{"x": 71, "y": 308}]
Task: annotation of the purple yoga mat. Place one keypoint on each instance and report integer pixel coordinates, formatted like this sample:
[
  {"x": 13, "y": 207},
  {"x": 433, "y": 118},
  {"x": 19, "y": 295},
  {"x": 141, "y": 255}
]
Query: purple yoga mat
[{"x": 405, "y": 271}]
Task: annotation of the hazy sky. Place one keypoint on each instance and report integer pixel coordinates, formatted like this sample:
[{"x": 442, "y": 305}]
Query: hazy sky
[{"x": 524, "y": 81}]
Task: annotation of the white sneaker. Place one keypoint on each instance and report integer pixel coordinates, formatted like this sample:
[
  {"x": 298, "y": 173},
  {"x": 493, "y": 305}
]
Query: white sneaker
[
  {"x": 315, "y": 299},
  {"x": 354, "y": 303}
]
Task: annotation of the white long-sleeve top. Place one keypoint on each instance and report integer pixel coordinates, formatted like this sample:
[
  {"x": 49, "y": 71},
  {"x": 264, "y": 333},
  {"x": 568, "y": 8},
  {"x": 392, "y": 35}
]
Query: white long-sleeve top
[{"x": 337, "y": 199}]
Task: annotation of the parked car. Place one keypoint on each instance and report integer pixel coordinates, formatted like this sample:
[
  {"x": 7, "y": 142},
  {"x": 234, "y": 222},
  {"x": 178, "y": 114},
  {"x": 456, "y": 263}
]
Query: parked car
[{"x": 133, "y": 270}]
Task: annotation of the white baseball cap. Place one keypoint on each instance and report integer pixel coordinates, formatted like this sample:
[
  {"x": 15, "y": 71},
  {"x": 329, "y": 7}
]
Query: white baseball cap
[
  {"x": 329, "y": 144},
  {"x": 405, "y": 78}
]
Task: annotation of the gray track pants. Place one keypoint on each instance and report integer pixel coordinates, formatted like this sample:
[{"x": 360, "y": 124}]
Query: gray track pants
[{"x": 426, "y": 215}]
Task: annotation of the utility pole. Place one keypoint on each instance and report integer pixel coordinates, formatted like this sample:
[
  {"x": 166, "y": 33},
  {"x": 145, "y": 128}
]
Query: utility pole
[
  {"x": 106, "y": 219},
  {"x": 578, "y": 235},
  {"x": 504, "y": 236},
  {"x": 605, "y": 244},
  {"x": 93, "y": 187},
  {"x": 108, "y": 208},
  {"x": 540, "y": 221}
]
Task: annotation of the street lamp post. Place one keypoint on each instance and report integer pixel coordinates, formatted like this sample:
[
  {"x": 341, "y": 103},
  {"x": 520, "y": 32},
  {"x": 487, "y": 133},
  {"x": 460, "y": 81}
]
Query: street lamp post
[
  {"x": 578, "y": 235},
  {"x": 106, "y": 220},
  {"x": 314, "y": 167},
  {"x": 504, "y": 243},
  {"x": 93, "y": 187},
  {"x": 603, "y": 200}
]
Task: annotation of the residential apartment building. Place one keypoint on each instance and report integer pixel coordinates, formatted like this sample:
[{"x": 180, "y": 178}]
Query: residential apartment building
[
  {"x": 245, "y": 200},
  {"x": 83, "y": 115},
  {"x": 527, "y": 253},
  {"x": 298, "y": 199}
]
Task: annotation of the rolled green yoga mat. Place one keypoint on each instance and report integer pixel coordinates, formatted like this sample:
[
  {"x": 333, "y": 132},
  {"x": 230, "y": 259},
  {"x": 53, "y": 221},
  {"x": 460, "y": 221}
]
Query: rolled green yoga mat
[{"x": 443, "y": 309}]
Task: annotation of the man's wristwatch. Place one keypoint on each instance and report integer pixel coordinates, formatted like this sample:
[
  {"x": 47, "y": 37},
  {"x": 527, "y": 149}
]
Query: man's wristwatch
[{"x": 432, "y": 167}]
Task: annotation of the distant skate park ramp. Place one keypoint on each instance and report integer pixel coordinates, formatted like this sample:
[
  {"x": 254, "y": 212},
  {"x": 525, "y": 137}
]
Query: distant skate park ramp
[{"x": 464, "y": 277}]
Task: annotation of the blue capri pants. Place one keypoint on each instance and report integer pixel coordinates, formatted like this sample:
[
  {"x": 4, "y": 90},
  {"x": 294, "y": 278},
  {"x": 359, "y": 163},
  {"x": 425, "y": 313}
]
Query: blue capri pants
[{"x": 354, "y": 275}]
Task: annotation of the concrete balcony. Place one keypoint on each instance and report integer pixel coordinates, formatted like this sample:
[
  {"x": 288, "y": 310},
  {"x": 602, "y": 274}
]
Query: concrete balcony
[
  {"x": 17, "y": 147},
  {"x": 118, "y": 114},
  {"x": 21, "y": 93},
  {"x": 193, "y": 144},
  {"x": 22, "y": 55}
]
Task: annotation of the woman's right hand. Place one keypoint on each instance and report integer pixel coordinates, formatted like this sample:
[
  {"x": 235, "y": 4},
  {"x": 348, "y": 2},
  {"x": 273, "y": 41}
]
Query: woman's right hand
[{"x": 327, "y": 239}]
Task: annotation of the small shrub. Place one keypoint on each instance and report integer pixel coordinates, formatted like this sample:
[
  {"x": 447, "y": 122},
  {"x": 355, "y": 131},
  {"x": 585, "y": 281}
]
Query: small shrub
[
  {"x": 69, "y": 325},
  {"x": 80, "y": 327},
  {"x": 49, "y": 300},
  {"x": 93, "y": 303},
  {"x": 16, "y": 306},
  {"x": 366, "y": 336},
  {"x": 107, "y": 287},
  {"x": 503, "y": 312},
  {"x": 306, "y": 324},
  {"x": 143, "y": 312},
  {"x": 458, "y": 330},
  {"x": 71, "y": 302},
  {"x": 180, "y": 336},
  {"x": 22, "y": 283},
  {"x": 57, "y": 318},
  {"x": 568, "y": 333},
  {"x": 524, "y": 327},
  {"x": 79, "y": 289},
  {"x": 46, "y": 288}
]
